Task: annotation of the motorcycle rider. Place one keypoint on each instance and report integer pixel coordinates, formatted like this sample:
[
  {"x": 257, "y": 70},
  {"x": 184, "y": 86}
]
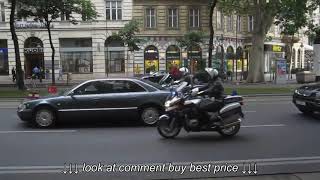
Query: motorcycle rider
[
  {"x": 214, "y": 89},
  {"x": 185, "y": 76}
]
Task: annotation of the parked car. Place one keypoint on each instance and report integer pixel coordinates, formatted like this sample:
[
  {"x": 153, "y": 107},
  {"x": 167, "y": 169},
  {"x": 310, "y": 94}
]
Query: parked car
[
  {"x": 101, "y": 98},
  {"x": 154, "y": 77},
  {"x": 307, "y": 98}
]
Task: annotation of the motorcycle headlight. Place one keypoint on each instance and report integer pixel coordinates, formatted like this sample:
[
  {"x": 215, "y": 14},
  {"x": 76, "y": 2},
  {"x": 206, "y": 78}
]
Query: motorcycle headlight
[{"x": 167, "y": 104}]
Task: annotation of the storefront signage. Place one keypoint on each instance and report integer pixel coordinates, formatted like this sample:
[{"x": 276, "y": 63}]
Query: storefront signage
[
  {"x": 30, "y": 25},
  {"x": 276, "y": 48},
  {"x": 33, "y": 50}
]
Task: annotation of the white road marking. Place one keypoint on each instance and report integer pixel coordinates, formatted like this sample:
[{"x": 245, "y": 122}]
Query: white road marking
[
  {"x": 249, "y": 111},
  {"x": 261, "y": 162},
  {"x": 39, "y": 131},
  {"x": 265, "y": 125}
]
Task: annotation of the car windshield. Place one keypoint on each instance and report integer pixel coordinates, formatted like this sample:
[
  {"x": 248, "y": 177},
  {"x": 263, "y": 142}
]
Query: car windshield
[
  {"x": 153, "y": 84},
  {"x": 65, "y": 92}
]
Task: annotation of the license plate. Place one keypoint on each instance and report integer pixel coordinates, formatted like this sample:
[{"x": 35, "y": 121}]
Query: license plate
[{"x": 302, "y": 103}]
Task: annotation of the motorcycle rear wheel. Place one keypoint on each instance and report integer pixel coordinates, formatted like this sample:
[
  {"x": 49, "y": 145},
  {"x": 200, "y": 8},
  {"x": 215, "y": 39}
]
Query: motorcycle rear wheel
[
  {"x": 230, "y": 131},
  {"x": 169, "y": 128}
]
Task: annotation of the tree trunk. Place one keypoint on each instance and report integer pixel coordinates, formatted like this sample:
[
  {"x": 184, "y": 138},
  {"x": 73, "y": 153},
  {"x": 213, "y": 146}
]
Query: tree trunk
[
  {"x": 212, "y": 6},
  {"x": 20, "y": 80},
  {"x": 52, "y": 54},
  {"x": 263, "y": 19}
]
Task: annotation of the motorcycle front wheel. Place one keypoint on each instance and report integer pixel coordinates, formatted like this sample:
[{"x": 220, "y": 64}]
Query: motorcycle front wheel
[{"x": 168, "y": 128}]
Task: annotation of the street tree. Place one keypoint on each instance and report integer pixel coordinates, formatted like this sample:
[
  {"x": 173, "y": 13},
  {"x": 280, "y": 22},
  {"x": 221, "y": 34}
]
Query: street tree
[
  {"x": 291, "y": 18},
  {"x": 19, "y": 72},
  {"x": 212, "y": 5},
  {"x": 48, "y": 11},
  {"x": 263, "y": 12}
]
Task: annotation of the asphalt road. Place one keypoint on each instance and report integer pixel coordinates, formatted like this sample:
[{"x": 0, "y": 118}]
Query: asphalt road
[{"x": 275, "y": 138}]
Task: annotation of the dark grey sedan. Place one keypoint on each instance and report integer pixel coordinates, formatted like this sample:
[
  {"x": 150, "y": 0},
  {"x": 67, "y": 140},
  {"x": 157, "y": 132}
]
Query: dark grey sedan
[{"x": 101, "y": 98}]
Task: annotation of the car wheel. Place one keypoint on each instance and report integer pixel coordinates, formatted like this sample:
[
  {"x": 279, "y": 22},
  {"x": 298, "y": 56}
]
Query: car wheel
[
  {"x": 44, "y": 118},
  {"x": 150, "y": 116}
]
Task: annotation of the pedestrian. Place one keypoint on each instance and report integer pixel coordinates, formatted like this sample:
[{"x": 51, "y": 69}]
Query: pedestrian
[
  {"x": 60, "y": 74},
  {"x": 13, "y": 72},
  {"x": 35, "y": 72}
]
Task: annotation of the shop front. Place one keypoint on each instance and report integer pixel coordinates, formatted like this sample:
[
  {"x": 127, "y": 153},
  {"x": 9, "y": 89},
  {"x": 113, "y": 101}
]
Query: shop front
[
  {"x": 194, "y": 61},
  {"x": 173, "y": 57},
  {"x": 151, "y": 59},
  {"x": 4, "y": 66},
  {"x": 76, "y": 55},
  {"x": 115, "y": 56},
  {"x": 34, "y": 56},
  {"x": 273, "y": 52}
]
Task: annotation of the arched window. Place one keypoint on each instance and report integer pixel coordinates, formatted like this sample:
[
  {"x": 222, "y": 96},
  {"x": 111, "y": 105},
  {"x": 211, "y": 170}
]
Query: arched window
[{"x": 173, "y": 57}]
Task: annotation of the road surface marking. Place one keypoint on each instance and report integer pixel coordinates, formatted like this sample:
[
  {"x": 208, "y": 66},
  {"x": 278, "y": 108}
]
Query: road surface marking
[
  {"x": 249, "y": 111},
  {"x": 52, "y": 131},
  {"x": 265, "y": 125}
]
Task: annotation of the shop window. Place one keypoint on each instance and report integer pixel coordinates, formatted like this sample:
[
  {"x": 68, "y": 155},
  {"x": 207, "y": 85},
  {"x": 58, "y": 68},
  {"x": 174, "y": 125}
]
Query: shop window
[{"x": 76, "y": 55}]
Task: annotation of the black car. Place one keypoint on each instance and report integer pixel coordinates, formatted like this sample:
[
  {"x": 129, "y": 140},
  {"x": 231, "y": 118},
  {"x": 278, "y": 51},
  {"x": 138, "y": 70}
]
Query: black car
[
  {"x": 307, "y": 98},
  {"x": 101, "y": 98},
  {"x": 154, "y": 77}
]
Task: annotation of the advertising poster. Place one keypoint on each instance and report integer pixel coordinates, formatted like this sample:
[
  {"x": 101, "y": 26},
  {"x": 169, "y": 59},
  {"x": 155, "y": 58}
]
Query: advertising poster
[{"x": 281, "y": 71}]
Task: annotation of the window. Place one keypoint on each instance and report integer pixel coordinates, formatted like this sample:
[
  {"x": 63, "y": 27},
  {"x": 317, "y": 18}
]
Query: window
[
  {"x": 150, "y": 18},
  {"x": 76, "y": 55},
  {"x": 219, "y": 20},
  {"x": 250, "y": 23},
  {"x": 65, "y": 16},
  {"x": 230, "y": 23},
  {"x": 95, "y": 87},
  {"x": 126, "y": 86},
  {"x": 113, "y": 10},
  {"x": 238, "y": 23},
  {"x": 2, "y": 14},
  {"x": 116, "y": 62},
  {"x": 173, "y": 18},
  {"x": 194, "y": 18}
]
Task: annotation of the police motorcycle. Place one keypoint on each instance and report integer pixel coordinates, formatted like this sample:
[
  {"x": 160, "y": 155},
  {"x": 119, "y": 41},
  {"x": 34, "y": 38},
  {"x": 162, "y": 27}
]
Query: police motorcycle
[{"x": 182, "y": 110}]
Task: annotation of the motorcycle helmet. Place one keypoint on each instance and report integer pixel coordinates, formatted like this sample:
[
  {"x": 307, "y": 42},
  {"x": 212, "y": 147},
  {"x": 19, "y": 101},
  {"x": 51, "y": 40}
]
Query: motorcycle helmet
[
  {"x": 184, "y": 70},
  {"x": 212, "y": 72}
]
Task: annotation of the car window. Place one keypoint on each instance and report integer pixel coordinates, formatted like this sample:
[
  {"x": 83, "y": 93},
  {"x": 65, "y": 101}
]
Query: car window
[
  {"x": 126, "y": 86},
  {"x": 95, "y": 87}
]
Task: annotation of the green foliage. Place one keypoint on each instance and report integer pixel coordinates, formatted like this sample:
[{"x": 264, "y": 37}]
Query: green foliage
[
  {"x": 128, "y": 35},
  {"x": 292, "y": 16},
  {"x": 49, "y": 10},
  {"x": 190, "y": 39}
]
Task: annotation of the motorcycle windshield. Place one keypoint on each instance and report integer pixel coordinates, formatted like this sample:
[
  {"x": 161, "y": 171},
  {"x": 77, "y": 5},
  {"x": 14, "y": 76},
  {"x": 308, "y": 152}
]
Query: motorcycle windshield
[{"x": 181, "y": 86}]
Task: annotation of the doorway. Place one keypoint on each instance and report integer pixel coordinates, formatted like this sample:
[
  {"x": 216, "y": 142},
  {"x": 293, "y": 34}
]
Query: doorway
[{"x": 34, "y": 56}]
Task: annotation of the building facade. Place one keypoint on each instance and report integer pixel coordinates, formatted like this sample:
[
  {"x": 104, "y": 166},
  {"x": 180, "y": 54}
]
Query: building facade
[{"x": 86, "y": 51}]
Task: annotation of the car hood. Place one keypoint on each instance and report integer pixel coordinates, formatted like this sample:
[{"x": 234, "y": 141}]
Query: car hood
[
  {"x": 44, "y": 98},
  {"x": 308, "y": 90}
]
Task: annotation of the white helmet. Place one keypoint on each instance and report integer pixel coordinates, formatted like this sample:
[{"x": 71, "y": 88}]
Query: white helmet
[
  {"x": 212, "y": 72},
  {"x": 184, "y": 70}
]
